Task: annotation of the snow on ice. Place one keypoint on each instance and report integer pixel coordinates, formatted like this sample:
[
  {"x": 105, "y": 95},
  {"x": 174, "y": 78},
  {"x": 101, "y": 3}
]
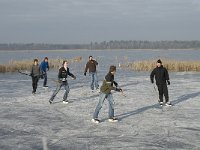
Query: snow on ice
[{"x": 29, "y": 122}]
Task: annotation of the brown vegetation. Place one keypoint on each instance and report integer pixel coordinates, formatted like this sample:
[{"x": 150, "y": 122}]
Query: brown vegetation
[
  {"x": 171, "y": 65},
  {"x": 13, "y": 66}
]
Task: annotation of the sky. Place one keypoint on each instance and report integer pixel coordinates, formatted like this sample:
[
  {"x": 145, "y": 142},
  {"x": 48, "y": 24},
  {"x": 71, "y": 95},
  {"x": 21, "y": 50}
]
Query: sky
[{"x": 83, "y": 21}]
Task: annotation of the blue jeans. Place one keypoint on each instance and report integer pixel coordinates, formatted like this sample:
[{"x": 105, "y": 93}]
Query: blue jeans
[
  {"x": 93, "y": 80},
  {"x": 66, "y": 86},
  {"x": 102, "y": 97}
]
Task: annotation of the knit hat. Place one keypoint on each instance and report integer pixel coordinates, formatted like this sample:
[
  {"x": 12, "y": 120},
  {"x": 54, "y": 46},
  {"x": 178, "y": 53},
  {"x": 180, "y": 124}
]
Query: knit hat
[
  {"x": 159, "y": 61},
  {"x": 112, "y": 68}
]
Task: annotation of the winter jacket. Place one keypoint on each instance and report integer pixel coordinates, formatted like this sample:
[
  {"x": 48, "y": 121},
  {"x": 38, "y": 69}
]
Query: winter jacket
[
  {"x": 35, "y": 71},
  {"x": 107, "y": 85},
  {"x": 62, "y": 74},
  {"x": 44, "y": 66},
  {"x": 161, "y": 75},
  {"x": 91, "y": 65}
]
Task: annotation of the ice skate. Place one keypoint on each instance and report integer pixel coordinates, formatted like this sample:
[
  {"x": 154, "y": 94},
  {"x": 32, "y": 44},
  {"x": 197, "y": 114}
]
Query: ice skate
[
  {"x": 65, "y": 102},
  {"x": 50, "y": 101},
  {"x": 168, "y": 104},
  {"x": 113, "y": 119},
  {"x": 95, "y": 120},
  {"x": 161, "y": 104}
]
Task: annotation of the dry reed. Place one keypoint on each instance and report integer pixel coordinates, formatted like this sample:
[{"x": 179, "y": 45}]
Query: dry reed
[
  {"x": 13, "y": 66},
  {"x": 171, "y": 65}
]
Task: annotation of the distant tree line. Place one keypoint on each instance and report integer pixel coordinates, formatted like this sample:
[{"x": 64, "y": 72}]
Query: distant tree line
[
  {"x": 106, "y": 45},
  {"x": 36, "y": 46},
  {"x": 146, "y": 45}
]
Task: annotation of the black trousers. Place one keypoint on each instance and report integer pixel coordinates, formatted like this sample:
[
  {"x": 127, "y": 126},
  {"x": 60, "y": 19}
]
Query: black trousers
[
  {"x": 34, "y": 83},
  {"x": 163, "y": 90}
]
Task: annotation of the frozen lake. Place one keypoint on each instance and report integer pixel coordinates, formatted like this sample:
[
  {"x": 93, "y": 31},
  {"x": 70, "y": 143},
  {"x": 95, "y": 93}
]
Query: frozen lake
[
  {"x": 28, "y": 121},
  {"x": 131, "y": 55}
]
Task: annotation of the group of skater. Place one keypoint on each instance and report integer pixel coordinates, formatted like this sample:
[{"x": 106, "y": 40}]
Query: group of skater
[
  {"x": 159, "y": 73},
  {"x": 39, "y": 71}
]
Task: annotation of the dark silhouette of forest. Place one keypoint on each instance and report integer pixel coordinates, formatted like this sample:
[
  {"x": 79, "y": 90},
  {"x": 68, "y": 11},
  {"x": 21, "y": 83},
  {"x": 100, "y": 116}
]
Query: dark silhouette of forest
[{"x": 105, "y": 45}]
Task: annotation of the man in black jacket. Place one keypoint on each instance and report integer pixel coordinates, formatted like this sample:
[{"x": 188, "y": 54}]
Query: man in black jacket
[
  {"x": 62, "y": 81},
  {"x": 162, "y": 79}
]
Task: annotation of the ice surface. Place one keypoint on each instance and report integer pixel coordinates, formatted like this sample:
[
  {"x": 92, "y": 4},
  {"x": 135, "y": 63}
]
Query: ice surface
[{"x": 26, "y": 119}]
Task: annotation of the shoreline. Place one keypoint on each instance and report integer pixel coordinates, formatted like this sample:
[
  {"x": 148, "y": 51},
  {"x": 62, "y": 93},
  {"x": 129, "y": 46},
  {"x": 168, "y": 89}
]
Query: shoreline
[{"x": 97, "y": 50}]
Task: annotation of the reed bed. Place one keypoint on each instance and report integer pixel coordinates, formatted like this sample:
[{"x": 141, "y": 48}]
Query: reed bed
[
  {"x": 13, "y": 65},
  {"x": 171, "y": 65}
]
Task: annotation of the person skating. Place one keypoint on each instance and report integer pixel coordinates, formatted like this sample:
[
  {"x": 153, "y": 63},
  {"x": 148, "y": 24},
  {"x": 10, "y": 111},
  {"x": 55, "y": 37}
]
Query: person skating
[
  {"x": 35, "y": 74},
  {"x": 44, "y": 67},
  {"x": 62, "y": 81},
  {"x": 162, "y": 79},
  {"x": 91, "y": 66},
  {"x": 105, "y": 89}
]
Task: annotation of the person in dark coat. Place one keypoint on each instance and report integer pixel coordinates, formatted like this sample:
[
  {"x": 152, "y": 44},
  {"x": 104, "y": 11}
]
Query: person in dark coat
[
  {"x": 62, "y": 81},
  {"x": 162, "y": 79},
  {"x": 44, "y": 67},
  {"x": 91, "y": 67},
  {"x": 105, "y": 89},
  {"x": 35, "y": 74}
]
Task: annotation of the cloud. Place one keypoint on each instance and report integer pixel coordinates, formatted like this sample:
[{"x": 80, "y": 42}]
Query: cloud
[
  {"x": 48, "y": 9},
  {"x": 98, "y": 19}
]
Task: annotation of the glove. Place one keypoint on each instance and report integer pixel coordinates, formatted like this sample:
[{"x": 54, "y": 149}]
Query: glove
[
  {"x": 74, "y": 77},
  {"x": 168, "y": 82},
  {"x": 59, "y": 80},
  {"x": 152, "y": 81},
  {"x": 31, "y": 75},
  {"x": 84, "y": 73},
  {"x": 115, "y": 83},
  {"x": 118, "y": 89},
  {"x": 41, "y": 76}
]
